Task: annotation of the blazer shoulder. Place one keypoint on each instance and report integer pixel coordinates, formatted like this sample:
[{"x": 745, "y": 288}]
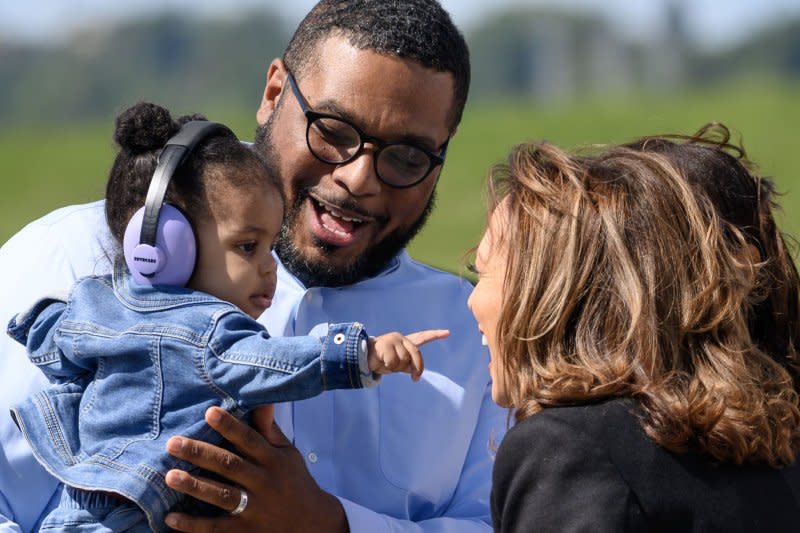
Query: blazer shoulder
[
  {"x": 555, "y": 453},
  {"x": 591, "y": 419}
]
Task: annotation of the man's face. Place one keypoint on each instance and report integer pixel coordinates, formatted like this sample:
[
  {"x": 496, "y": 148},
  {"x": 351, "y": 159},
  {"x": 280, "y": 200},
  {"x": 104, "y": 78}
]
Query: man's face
[{"x": 342, "y": 223}]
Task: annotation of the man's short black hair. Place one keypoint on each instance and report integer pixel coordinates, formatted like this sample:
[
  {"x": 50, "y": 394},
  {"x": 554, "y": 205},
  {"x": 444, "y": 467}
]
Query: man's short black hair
[{"x": 420, "y": 30}]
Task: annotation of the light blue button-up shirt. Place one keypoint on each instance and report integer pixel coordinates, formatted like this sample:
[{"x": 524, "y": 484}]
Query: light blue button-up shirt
[{"x": 402, "y": 456}]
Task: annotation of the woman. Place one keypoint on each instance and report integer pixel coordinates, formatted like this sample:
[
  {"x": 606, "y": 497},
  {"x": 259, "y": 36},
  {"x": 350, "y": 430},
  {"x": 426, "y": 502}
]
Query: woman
[{"x": 641, "y": 311}]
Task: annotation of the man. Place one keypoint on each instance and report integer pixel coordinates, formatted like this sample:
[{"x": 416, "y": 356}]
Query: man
[{"x": 355, "y": 120}]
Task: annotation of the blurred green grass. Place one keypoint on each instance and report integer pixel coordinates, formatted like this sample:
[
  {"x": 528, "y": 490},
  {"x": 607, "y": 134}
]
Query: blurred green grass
[{"x": 42, "y": 168}]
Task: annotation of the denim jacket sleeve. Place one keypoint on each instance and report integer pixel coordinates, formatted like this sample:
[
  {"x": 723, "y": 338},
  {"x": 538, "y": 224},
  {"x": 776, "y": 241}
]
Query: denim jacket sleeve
[
  {"x": 252, "y": 368},
  {"x": 37, "y": 330}
]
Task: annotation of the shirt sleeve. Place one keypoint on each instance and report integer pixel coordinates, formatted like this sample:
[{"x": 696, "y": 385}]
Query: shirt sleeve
[
  {"x": 468, "y": 510},
  {"x": 254, "y": 369},
  {"x": 40, "y": 259},
  {"x": 6, "y": 525},
  {"x": 549, "y": 476}
]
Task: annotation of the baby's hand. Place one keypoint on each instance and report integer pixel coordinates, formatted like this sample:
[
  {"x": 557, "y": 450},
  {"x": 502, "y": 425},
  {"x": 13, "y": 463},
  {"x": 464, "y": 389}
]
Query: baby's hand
[{"x": 394, "y": 352}]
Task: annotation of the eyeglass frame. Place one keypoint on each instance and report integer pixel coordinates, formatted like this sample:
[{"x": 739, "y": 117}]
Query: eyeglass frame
[{"x": 434, "y": 160}]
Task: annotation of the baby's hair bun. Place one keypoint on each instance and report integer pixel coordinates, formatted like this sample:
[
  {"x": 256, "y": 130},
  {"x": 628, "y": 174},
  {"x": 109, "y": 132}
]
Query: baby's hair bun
[
  {"x": 187, "y": 118},
  {"x": 144, "y": 127}
]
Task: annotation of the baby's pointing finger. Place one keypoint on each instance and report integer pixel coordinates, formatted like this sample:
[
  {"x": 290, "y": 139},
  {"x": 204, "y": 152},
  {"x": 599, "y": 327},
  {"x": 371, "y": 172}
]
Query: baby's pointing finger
[{"x": 423, "y": 337}]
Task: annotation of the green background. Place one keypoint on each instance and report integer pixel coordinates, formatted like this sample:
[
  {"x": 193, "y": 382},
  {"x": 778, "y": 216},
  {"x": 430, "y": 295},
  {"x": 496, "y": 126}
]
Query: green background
[{"x": 42, "y": 168}]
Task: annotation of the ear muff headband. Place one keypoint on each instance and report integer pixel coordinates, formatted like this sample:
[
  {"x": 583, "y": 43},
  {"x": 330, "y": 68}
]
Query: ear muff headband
[
  {"x": 159, "y": 241},
  {"x": 175, "y": 152}
]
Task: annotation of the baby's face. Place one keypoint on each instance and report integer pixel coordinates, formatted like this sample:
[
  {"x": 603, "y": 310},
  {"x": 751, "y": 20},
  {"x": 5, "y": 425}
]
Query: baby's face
[{"x": 235, "y": 243}]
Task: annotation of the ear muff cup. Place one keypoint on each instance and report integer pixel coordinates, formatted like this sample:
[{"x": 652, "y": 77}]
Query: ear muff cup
[{"x": 171, "y": 260}]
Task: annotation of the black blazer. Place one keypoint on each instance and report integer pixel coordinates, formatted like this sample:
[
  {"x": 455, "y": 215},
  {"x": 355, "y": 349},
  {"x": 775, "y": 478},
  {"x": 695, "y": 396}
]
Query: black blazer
[{"x": 592, "y": 468}]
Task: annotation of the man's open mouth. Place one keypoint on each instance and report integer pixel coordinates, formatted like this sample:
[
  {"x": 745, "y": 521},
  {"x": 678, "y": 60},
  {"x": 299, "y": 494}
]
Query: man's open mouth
[{"x": 335, "y": 225}]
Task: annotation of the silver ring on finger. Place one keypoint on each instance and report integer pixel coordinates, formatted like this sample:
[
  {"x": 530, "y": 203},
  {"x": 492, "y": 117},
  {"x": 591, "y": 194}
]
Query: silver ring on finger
[{"x": 242, "y": 503}]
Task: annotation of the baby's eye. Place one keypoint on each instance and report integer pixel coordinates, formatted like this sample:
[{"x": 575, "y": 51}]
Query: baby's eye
[{"x": 247, "y": 248}]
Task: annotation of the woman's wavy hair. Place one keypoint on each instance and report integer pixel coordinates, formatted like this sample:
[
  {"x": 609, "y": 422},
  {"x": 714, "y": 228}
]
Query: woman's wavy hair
[{"x": 652, "y": 270}]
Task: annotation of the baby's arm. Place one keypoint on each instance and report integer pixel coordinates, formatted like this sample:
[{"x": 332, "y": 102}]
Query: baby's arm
[
  {"x": 36, "y": 330},
  {"x": 394, "y": 352},
  {"x": 253, "y": 368}
]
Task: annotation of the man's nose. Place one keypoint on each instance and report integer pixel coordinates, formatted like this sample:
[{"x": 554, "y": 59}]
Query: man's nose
[{"x": 358, "y": 175}]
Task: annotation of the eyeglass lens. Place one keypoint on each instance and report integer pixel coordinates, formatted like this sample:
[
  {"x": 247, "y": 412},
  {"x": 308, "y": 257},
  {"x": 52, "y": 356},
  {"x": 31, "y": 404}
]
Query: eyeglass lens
[{"x": 336, "y": 141}]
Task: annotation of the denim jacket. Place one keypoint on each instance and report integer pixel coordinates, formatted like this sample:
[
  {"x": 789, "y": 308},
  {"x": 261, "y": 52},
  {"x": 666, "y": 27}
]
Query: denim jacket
[{"x": 131, "y": 366}]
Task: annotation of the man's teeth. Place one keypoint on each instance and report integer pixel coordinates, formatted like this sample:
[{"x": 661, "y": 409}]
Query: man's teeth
[
  {"x": 338, "y": 214},
  {"x": 484, "y": 341},
  {"x": 336, "y": 231}
]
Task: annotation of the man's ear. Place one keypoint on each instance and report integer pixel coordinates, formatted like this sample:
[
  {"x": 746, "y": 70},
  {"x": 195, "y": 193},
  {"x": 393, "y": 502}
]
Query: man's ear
[{"x": 276, "y": 78}]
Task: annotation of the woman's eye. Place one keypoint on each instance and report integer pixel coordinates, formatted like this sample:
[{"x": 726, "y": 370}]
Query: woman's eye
[{"x": 471, "y": 268}]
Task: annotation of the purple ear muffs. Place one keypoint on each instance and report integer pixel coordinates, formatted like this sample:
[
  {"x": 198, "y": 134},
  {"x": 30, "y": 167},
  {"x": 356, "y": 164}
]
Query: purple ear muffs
[
  {"x": 171, "y": 260},
  {"x": 159, "y": 243}
]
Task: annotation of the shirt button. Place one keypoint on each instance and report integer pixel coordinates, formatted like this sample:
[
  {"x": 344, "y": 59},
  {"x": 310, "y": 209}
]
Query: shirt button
[
  {"x": 339, "y": 338},
  {"x": 312, "y": 457}
]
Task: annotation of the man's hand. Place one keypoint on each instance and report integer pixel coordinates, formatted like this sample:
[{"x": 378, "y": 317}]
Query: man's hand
[{"x": 282, "y": 495}]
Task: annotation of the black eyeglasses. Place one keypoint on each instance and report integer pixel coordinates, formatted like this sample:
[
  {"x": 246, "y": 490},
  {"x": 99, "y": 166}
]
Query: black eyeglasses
[{"x": 334, "y": 140}]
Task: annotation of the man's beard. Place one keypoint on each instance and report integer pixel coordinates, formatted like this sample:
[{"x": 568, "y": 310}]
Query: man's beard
[{"x": 321, "y": 273}]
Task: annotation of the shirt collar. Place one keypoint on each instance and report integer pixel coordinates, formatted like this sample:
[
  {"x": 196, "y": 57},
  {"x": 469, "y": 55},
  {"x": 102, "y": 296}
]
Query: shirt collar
[{"x": 392, "y": 266}]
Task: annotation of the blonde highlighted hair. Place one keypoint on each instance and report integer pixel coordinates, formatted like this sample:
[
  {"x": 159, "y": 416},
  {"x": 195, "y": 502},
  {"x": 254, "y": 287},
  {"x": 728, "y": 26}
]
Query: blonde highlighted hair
[{"x": 652, "y": 270}]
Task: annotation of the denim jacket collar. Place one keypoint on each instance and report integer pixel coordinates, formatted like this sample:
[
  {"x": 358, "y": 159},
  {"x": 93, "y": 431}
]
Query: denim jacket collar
[{"x": 145, "y": 297}]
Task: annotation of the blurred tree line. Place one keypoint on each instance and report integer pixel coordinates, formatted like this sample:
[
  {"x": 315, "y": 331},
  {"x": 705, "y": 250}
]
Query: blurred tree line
[{"x": 190, "y": 64}]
